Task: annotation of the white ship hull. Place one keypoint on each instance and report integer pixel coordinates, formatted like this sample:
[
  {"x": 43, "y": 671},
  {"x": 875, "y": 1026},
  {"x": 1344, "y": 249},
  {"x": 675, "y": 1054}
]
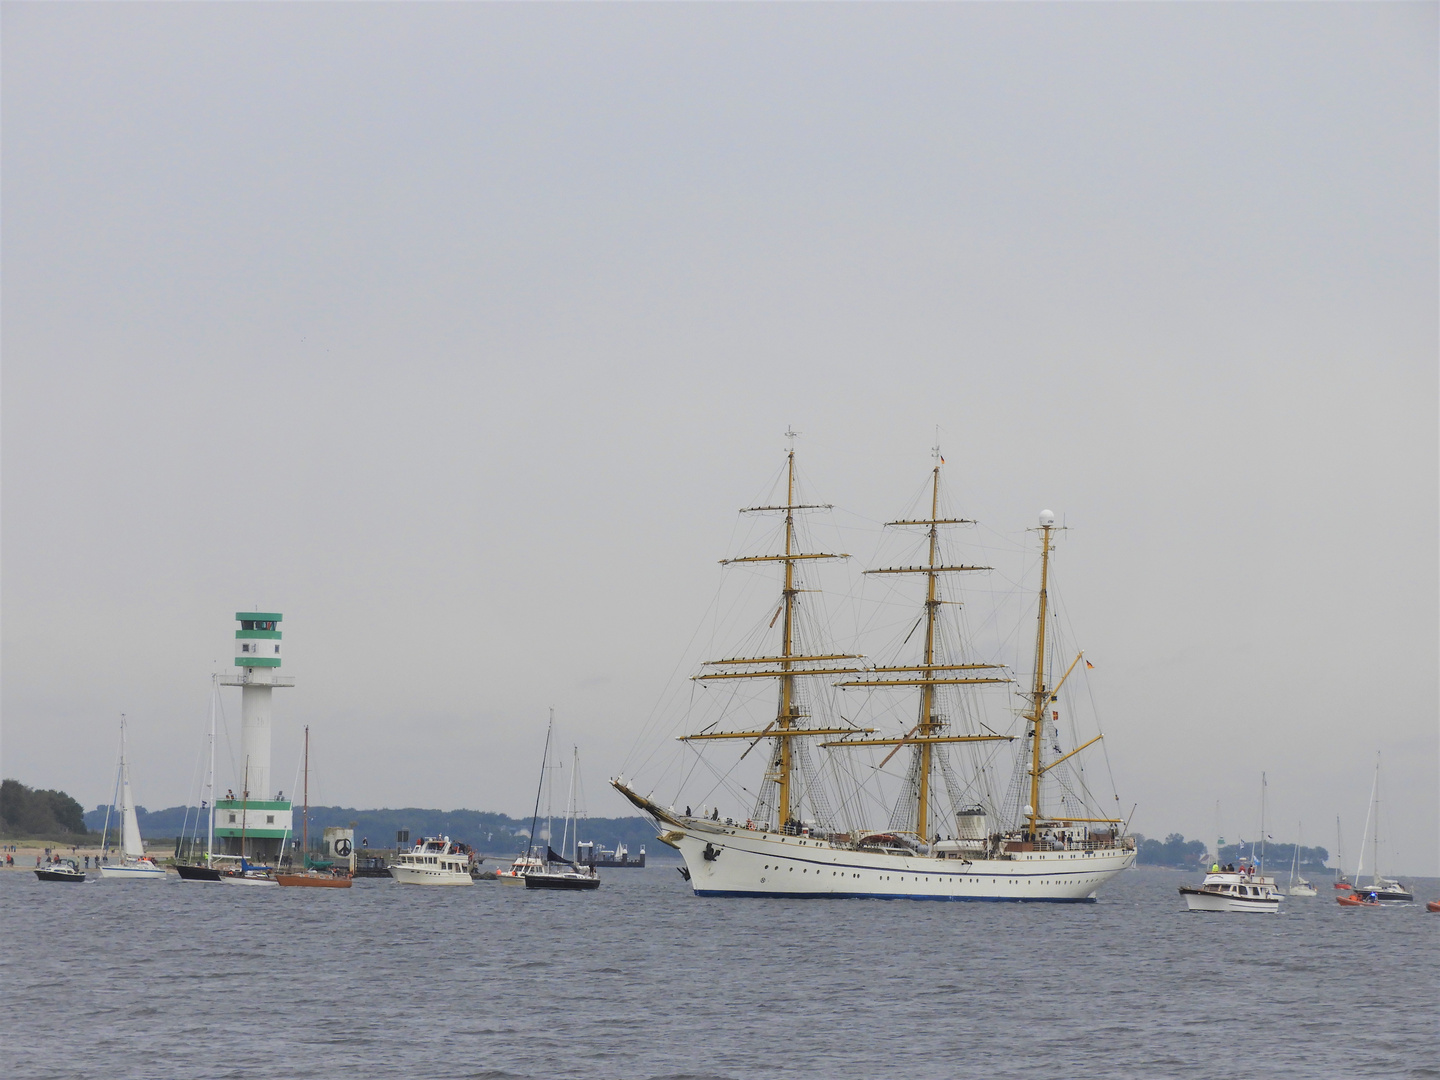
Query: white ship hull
[
  {"x": 746, "y": 862},
  {"x": 248, "y": 879},
  {"x": 132, "y": 873},
  {"x": 429, "y": 875}
]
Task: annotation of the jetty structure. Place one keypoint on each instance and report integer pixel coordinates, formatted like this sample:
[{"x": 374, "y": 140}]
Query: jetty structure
[
  {"x": 1048, "y": 838},
  {"x": 259, "y": 818}
]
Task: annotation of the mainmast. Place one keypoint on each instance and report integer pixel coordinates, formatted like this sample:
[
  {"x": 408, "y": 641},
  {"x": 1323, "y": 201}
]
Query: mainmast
[
  {"x": 1039, "y": 695},
  {"x": 789, "y": 664},
  {"x": 927, "y": 730}
]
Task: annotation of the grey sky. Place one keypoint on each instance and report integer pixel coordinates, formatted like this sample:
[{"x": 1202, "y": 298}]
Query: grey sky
[{"x": 457, "y": 333}]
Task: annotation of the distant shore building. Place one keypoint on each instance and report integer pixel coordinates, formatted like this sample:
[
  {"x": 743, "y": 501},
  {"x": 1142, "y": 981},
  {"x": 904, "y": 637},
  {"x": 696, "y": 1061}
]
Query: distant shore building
[{"x": 258, "y": 812}]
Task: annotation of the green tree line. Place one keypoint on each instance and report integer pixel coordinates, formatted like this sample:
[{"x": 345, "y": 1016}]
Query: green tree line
[{"x": 42, "y": 814}]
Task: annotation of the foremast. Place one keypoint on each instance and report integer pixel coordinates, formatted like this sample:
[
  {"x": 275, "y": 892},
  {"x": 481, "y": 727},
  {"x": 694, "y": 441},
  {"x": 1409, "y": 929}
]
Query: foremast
[
  {"x": 929, "y": 727},
  {"x": 789, "y": 664}
]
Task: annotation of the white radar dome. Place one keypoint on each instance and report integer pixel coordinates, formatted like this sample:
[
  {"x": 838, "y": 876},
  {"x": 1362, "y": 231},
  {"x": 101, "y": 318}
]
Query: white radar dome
[
  {"x": 1047, "y": 518},
  {"x": 1028, "y": 810}
]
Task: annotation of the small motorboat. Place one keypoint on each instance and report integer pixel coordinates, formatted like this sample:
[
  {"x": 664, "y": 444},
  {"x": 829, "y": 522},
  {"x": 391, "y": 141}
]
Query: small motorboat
[
  {"x": 1356, "y": 900},
  {"x": 514, "y": 874},
  {"x": 1241, "y": 890},
  {"x": 68, "y": 870},
  {"x": 1432, "y": 905},
  {"x": 247, "y": 873}
]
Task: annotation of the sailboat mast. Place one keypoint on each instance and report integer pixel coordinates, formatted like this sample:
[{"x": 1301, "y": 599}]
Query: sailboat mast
[
  {"x": 210, "y": 783},
  {"x": 1264, "y": 786},
  {"x": 544, "y": 760},
  {"x": 786, "y": 762},
  {"x": 305, "y": 821},
  {"x": 1369, "y": 809},
  {"x": 124, "y": 781},
  {"x": 244, "y": 810},
  {"x": 1375, "y": 849},
  {"x": 570, "y": 801},
  {"x": 1039, "y": 695}
]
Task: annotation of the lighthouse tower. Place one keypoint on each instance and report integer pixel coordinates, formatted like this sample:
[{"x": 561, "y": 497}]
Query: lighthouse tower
[{"x": 255, "y": 811}]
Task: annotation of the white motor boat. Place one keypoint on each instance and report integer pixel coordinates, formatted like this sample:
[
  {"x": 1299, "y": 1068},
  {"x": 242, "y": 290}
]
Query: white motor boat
[
  {"x": 516, "y": 871},
  {"x": 435, "y": 860},
  {"x": 1242, "y": 890}
]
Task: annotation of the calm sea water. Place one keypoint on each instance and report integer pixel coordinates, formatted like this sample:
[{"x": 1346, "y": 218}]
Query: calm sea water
[{"x": 126, "y": 979}]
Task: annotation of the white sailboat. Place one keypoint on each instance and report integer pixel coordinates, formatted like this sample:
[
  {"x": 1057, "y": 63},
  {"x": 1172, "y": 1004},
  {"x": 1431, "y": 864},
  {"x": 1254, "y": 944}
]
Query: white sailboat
[
  {"x": 1044, "y": 844},
  {"x": 135, "y": 865},
  {"x": 1299, "y": 886}
]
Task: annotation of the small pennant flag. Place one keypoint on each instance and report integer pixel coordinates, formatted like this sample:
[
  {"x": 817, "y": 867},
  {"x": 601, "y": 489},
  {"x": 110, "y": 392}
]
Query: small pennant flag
[{"x": 1088, "y": 664}]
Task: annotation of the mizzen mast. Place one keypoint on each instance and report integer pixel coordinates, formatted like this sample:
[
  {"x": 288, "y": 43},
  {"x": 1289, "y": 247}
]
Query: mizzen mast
[
  {"x": 928, "y": 675},
  {"x": 789, "y": 664}
]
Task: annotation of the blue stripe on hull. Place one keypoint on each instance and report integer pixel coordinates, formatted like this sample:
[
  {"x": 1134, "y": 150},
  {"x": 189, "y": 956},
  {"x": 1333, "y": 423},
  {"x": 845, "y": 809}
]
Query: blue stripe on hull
[{"x": 898, "y": 896}]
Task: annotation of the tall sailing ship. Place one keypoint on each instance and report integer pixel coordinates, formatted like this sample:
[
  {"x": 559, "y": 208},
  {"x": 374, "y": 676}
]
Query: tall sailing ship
[{"x": 945, "y": 839}]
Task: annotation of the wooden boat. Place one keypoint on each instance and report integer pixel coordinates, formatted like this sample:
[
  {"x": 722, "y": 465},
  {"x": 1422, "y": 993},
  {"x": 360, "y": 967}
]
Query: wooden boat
[
  {"x": 312, "y": 877},
  {"x": 315, "y": 879}
]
